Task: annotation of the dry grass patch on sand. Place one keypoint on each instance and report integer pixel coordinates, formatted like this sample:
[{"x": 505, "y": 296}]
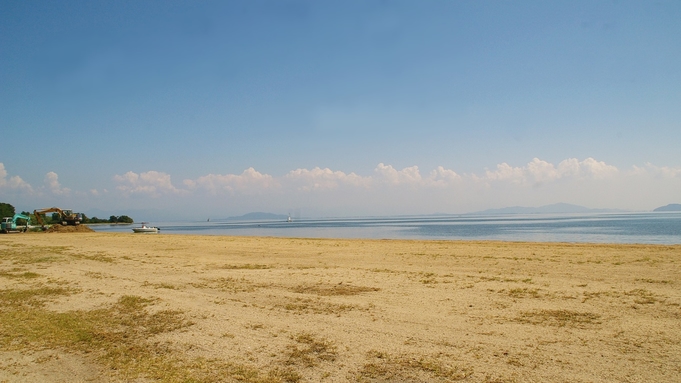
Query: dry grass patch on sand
[
  {"x": 329, "y": 290},
  {"x": 559, "y": 318},
  {"x": 383, "y": 367},
  {"x": 145, "y": 309}
]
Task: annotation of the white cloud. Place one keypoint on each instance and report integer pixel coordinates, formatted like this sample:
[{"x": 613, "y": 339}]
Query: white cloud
[
  {"x": 443, "y": 177},
  {"x": 52, "y": 184},
  {"x": 319, "y": 179},
  {"x": 14, "y": 182},
  {"x": 504, "y": 172},
  {"x": 389, "y": 190},
  {"x": 597, "y": 169},
  {"x": 324, "y": 179},
  {"x": 540, "y": 171},
  {"x": 250, "y": 181},
  {"x": 659, "y": 171},
  {"x": 386, "y": 190},
  {"x": 569, "y": 168},
  {"x": 150, "y": 183},
  {"x": 388, "y": 174}
]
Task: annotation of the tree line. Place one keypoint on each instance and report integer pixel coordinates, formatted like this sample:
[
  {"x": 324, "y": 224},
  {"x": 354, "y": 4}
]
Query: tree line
[
  {"x": 112, "y": 219},
  {"x": 7, "y": 210}
]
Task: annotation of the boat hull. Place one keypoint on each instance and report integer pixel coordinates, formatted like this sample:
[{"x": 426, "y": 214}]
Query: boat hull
[{"x": 145, "y": 230}]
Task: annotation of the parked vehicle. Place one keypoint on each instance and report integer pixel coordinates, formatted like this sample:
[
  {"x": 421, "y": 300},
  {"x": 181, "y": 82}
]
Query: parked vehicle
[{"x": 9, "y": 224}]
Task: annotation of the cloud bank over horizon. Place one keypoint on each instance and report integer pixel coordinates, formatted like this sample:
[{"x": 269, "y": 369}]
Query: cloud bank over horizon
[{"x": 388, "y": 191}]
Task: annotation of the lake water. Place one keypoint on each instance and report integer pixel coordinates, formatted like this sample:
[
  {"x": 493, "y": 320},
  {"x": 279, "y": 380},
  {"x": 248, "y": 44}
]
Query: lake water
[{"x": 648, "y": 228}]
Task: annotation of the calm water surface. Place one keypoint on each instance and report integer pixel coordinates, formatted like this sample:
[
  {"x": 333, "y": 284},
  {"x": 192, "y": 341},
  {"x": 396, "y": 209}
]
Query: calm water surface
[{"x": 651, "y": 228}]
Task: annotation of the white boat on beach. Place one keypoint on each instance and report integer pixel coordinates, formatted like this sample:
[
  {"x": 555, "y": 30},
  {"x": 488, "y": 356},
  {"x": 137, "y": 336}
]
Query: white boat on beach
[{"x": 145, "y": 229}]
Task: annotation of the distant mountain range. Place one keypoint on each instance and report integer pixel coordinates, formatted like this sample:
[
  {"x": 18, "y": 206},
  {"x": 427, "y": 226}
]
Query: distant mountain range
[
  {"x": 556, "y": 208},
  {"x": 670, "y": 207}
]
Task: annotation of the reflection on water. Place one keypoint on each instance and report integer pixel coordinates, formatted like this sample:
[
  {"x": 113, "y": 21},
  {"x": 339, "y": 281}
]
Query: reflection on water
[{"x": 661, "y": 228}]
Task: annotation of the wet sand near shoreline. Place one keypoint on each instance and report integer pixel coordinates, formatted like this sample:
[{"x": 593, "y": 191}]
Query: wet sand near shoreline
[{"x": 102, "y": 307}]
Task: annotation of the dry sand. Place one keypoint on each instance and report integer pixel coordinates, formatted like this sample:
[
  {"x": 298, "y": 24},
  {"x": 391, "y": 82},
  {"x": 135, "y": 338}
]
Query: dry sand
[{"x": 123, "y": 307}]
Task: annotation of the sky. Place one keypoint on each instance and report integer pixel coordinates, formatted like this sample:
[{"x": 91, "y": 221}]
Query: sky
[{"x": 195, "y": 109}]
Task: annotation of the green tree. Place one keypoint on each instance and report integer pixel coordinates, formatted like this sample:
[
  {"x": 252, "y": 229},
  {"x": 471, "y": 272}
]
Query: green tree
[
  {"x": 96, "y": 220},
  {"x": 113, "y": 219},
  {"x": 6, "y": 210},
  {"x": 125, "y": 219}
]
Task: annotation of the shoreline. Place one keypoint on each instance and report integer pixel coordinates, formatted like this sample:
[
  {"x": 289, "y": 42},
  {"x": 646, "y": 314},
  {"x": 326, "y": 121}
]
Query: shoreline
[
  {"x": 657, "y": 229},
  {"x": 266, "y": 309},
  {"x": 455, "y": 240}
]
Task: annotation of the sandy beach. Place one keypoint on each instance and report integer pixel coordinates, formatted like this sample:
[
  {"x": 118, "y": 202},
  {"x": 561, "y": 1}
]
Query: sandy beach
[{"x": 96, "y": 307}]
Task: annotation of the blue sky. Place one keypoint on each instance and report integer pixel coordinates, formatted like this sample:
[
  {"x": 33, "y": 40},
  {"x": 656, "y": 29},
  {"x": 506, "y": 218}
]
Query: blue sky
[{"x": 339, "y": 107}]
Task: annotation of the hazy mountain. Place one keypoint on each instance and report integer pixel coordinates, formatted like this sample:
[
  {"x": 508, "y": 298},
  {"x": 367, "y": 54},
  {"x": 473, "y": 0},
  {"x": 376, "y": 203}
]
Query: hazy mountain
[
  {"x": 556, "y": 208},
  {"x": 670, "y": 207}
]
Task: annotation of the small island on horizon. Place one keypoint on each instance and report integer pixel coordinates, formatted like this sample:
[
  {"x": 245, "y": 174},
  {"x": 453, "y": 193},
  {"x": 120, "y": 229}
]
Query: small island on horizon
[{"x": 670, "y": 207}]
